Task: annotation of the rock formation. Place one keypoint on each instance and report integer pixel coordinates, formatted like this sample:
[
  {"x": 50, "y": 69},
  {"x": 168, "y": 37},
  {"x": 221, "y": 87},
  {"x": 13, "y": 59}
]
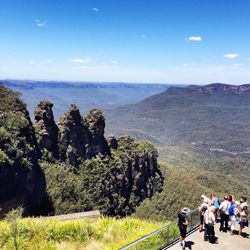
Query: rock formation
[
  {"x": 129, "y": 176},
  {"x": 73, "y": 137},
  {"x": 115, "y": 175},
  {"x": 46, "y": 129},
  {"x": 96, "y": 125}
]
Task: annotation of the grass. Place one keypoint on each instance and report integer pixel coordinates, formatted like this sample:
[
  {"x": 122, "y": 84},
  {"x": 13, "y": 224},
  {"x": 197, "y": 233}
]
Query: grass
[{"x": 103, "y": 233}]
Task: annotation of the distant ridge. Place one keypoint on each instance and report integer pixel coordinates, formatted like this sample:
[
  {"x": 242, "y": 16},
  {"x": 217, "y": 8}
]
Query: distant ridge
[
  {"x": 214, "y": 117},
  {"x": 212, "y": 88},
  {"x": 86, "y": 95},
  {"x": 29, "y": 84}
]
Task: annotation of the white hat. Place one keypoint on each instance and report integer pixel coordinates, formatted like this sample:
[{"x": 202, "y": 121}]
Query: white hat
[{"x": 185, "y": 210}]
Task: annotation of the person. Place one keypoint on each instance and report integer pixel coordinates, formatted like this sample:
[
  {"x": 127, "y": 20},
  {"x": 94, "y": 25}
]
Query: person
[
  {"x": 224, "y": 214},
  {"x": 243, "y": 214},
  {"x": 202, "y": 209},
  {"x": 233, "y": 212},
  {"x": 209, "y": 220},
  {"x": 206, "y": 199},
  {"x": 182, "y": 224},
  {"x": 230, "y": 198},
  {"x": 216, "y": 204}
]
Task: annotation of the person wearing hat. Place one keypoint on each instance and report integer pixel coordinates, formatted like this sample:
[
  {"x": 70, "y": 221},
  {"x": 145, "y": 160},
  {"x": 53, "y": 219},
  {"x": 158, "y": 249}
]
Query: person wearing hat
[{"x": 182, "y": 224}]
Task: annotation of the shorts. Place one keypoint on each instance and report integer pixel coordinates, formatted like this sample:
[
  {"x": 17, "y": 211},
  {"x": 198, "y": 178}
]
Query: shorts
[
  {"x": 243, "y": 224},
  {"x": 183, "y": 230}
]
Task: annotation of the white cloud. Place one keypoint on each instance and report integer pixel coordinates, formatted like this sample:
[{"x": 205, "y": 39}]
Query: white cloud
[
  {"x": 40, "y": 23},
  {"x": 195, "y": 38},
  {"x": 115, "y": 62},
  {"x": 32, "y": 62},
  {"x": 185, "y": 65},
  {"x": 80, "y": 60},
  {"x": 144, "y": 36},
  {"x": 48, "y": 61},
  {"x": 95, "y": 9},
  {"x": 230, "y": 56}
]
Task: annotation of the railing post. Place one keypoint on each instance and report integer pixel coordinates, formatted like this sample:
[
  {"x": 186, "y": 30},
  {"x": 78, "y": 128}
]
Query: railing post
[
  {"x": 167, "y": 235},
  {"x": 191, "y": 223}
]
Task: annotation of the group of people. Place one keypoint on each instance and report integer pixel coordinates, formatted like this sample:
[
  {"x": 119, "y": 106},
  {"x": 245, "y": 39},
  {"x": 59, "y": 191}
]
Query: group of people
[{"x": 213, "y": 211}]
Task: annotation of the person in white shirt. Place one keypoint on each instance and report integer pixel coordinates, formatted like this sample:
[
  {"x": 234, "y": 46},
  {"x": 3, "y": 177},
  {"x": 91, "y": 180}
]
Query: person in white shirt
[
  {"x": 202, "y": 209},
  {"x": 209, "y": 220},
  {"x": 224, "y": 214}
]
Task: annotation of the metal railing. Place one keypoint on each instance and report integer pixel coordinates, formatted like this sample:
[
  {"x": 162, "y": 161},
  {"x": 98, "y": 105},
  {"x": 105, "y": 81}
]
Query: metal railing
[{"x": 164, "y": 236}]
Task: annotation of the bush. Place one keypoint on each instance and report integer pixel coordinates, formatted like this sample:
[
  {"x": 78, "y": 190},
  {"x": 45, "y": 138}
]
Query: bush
[{"x": 104, "y": 233}]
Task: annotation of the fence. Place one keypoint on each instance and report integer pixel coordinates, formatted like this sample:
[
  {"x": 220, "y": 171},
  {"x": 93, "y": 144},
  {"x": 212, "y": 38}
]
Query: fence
[{"x": 164, "y": 236}]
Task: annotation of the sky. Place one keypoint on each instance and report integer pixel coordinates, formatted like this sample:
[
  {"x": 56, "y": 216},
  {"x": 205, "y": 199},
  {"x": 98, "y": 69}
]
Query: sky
[{"x": 144, "y": 41}]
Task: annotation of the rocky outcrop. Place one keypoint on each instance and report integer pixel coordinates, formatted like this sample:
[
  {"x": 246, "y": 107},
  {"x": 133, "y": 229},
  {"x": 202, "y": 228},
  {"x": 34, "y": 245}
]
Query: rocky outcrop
[
  {"x": 140, "y": 176},
  {"x": 81, "y": 138},
  {"x": 130, "y": 175},
  {"x": 73, "y": 137},
  {"x": 115, "y": 175},
  {"x": 96, "y": 125},
  {"x": 22, "y": 182},
  {"x": 46, "y": 129}
]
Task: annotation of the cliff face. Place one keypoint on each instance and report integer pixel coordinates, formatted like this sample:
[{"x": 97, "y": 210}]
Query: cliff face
[
  {"x": 74, "y": 137},
  {"x": 135, "y": 178},
  {"x": 96, "y": 125},
  {"x": 116, "y": 184},
  {"x": 113, "y": 175},
  {"x": 46, "y": 129},
  {"x": 21, "y": 179}
]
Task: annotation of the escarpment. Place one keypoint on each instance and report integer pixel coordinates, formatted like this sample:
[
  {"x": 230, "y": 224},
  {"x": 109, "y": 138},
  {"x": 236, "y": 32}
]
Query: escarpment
[
  {"x": 22, "y": 182},
  {"x": 114, "y": 175}
]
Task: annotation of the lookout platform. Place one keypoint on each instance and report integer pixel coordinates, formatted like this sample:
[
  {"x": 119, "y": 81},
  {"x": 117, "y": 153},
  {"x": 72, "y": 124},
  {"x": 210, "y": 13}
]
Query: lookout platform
[{"x": 195, "y": 241}]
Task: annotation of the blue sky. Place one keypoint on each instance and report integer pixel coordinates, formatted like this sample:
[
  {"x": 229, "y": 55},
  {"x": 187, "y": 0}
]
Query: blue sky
[{"x": 165, "y": 41}]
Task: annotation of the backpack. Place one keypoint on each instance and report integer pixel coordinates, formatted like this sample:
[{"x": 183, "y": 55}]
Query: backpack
[{"x": 231, "y": 210}]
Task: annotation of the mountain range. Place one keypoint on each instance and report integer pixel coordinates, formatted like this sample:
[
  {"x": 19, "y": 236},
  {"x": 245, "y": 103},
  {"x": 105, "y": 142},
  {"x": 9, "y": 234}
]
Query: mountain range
[
  {"x": 83, "y": 94},
  {"x": 214, "y": 118}
]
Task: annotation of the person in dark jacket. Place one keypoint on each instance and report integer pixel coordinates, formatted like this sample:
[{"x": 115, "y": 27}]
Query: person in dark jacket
[{"x": 182, "y": 224}]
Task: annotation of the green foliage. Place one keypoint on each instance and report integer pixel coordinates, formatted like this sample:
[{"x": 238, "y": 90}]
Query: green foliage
[
  {"x": 103, "y": 233},
  {"x": 16, "y": 132},
  {"x": 65, "y": 188},
  {"x": 14, "y": 232},
  {"x": 4, "y": 159},
  {"x": 100, "y": 183},
  {"x": 217, "y": 123}
]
